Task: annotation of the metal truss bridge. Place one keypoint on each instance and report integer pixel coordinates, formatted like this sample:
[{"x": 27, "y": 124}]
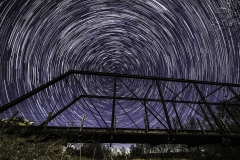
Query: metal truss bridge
[{"x": 120, "y": 108}]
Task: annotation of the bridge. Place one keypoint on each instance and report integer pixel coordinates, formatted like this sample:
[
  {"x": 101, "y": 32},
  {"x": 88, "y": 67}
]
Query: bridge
[{"x": 119, "y": 108}]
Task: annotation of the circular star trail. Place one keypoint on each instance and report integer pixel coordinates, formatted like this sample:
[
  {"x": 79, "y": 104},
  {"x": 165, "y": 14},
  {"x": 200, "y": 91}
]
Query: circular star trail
[{"x": 41, "y": 40}]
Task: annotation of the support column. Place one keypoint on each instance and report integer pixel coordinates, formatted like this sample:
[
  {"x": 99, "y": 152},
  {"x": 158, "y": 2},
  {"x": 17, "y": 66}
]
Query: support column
[
  {"x": 146, "y": 115},
  {"x": 83, "y": 119},
  {"x": 113, "y": 107}
]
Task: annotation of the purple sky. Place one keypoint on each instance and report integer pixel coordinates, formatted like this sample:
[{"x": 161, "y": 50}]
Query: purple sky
[{"x": 40, "y": 40}]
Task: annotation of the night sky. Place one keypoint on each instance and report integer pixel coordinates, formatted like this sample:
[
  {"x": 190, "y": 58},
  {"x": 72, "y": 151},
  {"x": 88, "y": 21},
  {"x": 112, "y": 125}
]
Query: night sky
[{"x": 41, "y": 40}]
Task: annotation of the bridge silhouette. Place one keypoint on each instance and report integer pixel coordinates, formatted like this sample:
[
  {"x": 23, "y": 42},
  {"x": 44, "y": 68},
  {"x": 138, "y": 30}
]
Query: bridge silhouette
[{"x": 121, "y": 108}]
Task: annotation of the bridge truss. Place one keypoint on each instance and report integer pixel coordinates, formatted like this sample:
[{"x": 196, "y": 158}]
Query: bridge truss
[{"x": 120, "y": 108}]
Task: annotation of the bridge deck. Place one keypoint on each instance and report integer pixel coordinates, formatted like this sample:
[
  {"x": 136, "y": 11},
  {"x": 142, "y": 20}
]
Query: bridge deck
[{"x": 121, "y": 135}]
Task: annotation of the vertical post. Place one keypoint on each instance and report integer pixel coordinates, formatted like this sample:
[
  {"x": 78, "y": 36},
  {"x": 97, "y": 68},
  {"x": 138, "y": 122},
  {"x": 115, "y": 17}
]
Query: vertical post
[
  {"x": 114, "y": 99},
  {"x": 146, "y": 115},
  {"x": 146, "y": 125},
  {"x": 48, "y": 118},
  {"x": 175, "y": 125},
  {"x": 174, "y": 106},
  {"x": 164, "y": 106},
  {"x": 208, "y": 107},
  {"x": 83, "y": 119},
  {"x": 114, "y": 123},
  {"x": 10, "y": 119},
  {"x": 199, "y": 123}
]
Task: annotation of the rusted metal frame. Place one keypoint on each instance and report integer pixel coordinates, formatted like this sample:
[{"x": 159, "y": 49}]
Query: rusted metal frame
[
  {"x": 113, "y": 106},
  {"x": 61, "y": 110},
  {"x": 209, "y": 108},
  {"x": 145, "y": 107},
  {"x": 174, "y": 106},
  {"x": 90, "y": 101},
  {"x": 29, "y": 94},
  {"x": 50, "y": 113},
  {"x": 127, "y": 114},
  {"x": 20, "y": 99},
  {"x": 164, "y": 106},
  {"x": 178, "y": 102},
  {"x": 142, "y": 103}
]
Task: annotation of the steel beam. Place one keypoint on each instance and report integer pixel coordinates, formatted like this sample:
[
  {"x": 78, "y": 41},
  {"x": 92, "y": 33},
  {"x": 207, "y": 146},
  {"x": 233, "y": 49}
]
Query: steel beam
[
  {"x": 155, "y": 100},
  {"x": 152, "y": 78},
  {"x": 164, "y": 106},
  {"x": 83, "y": 119},
  {"x": 199, "y": 123},
  {"x": 179, "y": 121},
  {"x": 48, "y": 117},
  {"x": 91, "y": 102},
  {"x": 146, "y": 115},
  {"x": 113, "y": 106},
  {"x": 20, "y": 99},
  {"x": 127, "y": 114},
  {"x": 61, "y": 110},
  {"x": 209, "y": 108},
  {"x": 93, "y": 114},
  {"x": 211, "y": 93},
  {"x": 123, "y": 135},
  {"x": 29, "y": 94},
  {"x": 235, "y": 93},
  {"x": 141, "y": 102},
  {"x": 226, "y": 126},
  {"x": 180, "y": 91}
]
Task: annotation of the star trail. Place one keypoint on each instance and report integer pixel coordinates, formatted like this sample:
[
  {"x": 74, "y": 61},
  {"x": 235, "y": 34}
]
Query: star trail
[{"x": 41, "y": 40}]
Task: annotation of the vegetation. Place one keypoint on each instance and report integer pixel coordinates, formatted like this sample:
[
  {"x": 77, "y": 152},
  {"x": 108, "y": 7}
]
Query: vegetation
[{"x": 232, "y": 12}]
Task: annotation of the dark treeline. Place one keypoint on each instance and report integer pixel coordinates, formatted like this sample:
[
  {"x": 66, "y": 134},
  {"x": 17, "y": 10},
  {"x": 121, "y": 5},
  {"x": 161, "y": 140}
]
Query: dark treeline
[{"x": 163, "y": 151}]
